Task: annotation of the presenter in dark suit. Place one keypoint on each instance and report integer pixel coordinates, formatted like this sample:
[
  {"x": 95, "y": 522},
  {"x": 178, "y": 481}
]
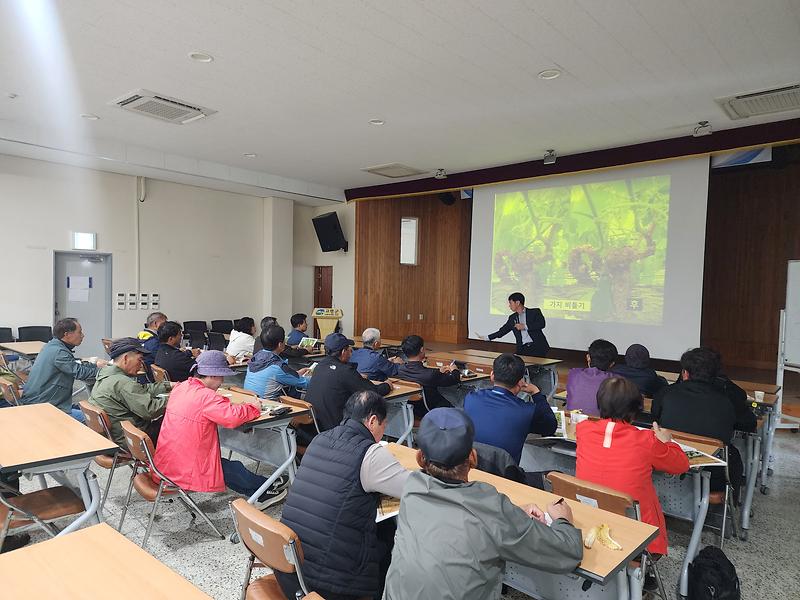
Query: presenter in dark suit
[{"x": 526, "y": 324}]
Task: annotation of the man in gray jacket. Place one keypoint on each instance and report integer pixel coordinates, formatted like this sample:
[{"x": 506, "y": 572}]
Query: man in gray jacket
[
  {"x": 55, "y": 370},
  {"x": 454, "y": 536}
]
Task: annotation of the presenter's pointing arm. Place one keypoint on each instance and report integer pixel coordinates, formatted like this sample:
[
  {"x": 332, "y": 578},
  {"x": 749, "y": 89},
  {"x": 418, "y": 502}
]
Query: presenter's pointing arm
[{"x": 505, "y": 329}]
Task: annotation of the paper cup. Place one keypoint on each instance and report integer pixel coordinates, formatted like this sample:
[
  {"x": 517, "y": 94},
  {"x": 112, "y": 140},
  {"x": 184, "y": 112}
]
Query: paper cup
[{"x": 759, "y": 396}]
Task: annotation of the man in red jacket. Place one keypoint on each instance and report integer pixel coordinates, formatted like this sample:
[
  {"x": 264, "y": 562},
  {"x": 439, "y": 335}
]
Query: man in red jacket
[{"x": 188, "y": 446}]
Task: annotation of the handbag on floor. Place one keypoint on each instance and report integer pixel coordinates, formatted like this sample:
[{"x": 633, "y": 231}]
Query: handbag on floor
[{"x": 712, "y": 576}]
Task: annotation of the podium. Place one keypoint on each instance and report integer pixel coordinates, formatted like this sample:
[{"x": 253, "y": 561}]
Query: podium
[{"x": 327, "y": 319}]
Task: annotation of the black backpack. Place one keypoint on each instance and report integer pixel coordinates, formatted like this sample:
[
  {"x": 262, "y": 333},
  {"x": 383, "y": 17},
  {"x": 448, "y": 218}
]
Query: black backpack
[{"x": 712, "y": 576}]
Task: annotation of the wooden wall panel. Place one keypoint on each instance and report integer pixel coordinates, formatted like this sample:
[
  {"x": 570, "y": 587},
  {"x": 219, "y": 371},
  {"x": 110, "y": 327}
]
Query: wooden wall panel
[
  {"x": 392, "y": 296},
  {"x": 753, "y": 229}
]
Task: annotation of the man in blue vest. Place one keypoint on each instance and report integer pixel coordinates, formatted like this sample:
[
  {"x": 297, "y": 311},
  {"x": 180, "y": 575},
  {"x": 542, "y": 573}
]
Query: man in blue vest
[{"x": 333, "y": 502}]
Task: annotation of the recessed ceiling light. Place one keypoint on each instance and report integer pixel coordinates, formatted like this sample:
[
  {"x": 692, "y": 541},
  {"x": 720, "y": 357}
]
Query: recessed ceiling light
[
  {"x": 249, "y": 155},
  {"x": 90, "y": 117},
  {"x": 199, "y": 56},
  {"x": 377, "y": 122},
  {"x": 549, "y": 74},
  {"x": 11, "y": 95}
]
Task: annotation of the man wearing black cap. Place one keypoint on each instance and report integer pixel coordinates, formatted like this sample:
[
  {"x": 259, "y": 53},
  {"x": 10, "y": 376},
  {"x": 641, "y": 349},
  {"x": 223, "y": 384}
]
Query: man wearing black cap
[
  {"x": 123, "y": 398},
  {"x": 454, "y": 536},
  {"x": 335, "y": 380}
]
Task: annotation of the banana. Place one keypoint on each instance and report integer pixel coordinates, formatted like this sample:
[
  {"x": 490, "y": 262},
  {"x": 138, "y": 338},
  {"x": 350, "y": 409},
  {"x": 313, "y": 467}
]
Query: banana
[
  {"x": 602, "y": 533},
  {"x": 588, "y": 541}
]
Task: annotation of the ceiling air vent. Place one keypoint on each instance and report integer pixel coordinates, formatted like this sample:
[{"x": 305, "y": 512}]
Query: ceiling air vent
[
  {"x": 159, "y": 106},
  {"x": 764, "y": 102},
  {"x": 394, "y": 170}
]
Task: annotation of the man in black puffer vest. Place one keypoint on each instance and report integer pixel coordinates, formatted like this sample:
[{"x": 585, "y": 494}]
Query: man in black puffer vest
[{"x": 333, "y": 502}]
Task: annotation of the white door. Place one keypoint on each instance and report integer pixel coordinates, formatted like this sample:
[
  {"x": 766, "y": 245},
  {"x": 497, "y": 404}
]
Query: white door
[{"x": 83, "y": 291}]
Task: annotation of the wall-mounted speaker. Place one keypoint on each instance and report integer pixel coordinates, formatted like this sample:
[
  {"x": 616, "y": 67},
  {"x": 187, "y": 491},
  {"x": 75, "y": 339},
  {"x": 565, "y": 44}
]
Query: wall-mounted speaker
[
  {"x": 329, "y": 232},
  {"x": 448, "y": 198}
]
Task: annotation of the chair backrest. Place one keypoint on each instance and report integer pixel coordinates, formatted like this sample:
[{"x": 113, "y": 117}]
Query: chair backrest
[
  {"x": 139, "y": 443},
  {"x": 606, "y": 498},
  {"x": 35, "y": 333},
  {"x": 197, "y": 338},
  {"x": 6, "y": 335},
  {"x": 96, "y": 418},
  {"x": 106, "y": 343},
  {"x": 308, "y": 419},
  {"x": 222, "y": 326},
  {"x": 159, "y": 374},
  {"x": 195, "y": 326},
  {"x": 241, "y": 390},
  {"x": 267, "y": 538},
  {"x": 10, "y": 393},
  {"x": 216, "y": 341}
]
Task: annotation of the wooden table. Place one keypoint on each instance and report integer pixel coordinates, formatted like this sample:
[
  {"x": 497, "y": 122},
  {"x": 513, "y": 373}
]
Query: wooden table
[
  {"x": 96, "y": 562},
  {"x": 599, "y": 563},
  {"x": 385, "y": 342},
  {"x": 39, "y": 438},
  {"x": 528, "y": 360},
  {"x": 266, "y": 438},
  {"x": 479, "y": 362},
  {"x": 26, "y": 349}
]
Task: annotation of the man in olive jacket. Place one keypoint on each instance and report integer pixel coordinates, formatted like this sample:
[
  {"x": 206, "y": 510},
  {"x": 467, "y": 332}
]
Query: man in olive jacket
[
  {"x": 55, "y": 370},
  {"x": 123, "y": 398}
]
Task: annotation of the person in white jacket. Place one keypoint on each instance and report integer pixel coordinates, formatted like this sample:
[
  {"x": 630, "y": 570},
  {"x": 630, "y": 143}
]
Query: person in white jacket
[{"x": 242, "y": 339}]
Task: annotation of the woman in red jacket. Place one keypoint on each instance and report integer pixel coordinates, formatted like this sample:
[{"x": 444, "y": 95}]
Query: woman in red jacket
[{"x": 614, "y": 453}]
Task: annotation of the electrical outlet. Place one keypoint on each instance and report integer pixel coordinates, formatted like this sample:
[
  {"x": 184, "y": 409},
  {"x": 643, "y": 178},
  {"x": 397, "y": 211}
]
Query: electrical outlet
[{"x": 420, "y": 316}]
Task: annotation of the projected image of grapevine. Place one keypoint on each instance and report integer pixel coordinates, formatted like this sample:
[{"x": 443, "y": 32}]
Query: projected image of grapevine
[{"x": 594, "y": 251}]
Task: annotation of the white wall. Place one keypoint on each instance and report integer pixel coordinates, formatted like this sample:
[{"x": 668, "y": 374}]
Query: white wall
[
  {"x": 202, "y": 250},
  {"x": 307, "y": 255}
]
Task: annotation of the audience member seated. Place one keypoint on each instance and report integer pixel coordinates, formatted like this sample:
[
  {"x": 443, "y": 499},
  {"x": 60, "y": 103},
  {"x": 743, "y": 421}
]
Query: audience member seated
[
  {"x": 123, "y": 398},
  {"x": 614, "y": 453},
  {"x": 188, "y": 449},
  {"x": 334, "y": 380},
  {"x": 149, "y": 337},
  {"x": 413, "y": 347},
  {"x": 637, "y": 369},
  {"x": 455, "y": 535},
  {"x": 695, "y": 404},
  {"x": 242, "y": 342},
  {"x": 265, "y": 324},
  {"x": 345, "y": 553},
  {"x": 370, "y": 361},
  {"x": 501, "y": 418},
  {"x": 582, "y": 384},
  {"x": 299, "y": 323},
  {"x": 269, "y": 375},
  {"x": 55, "y": 370},
  {"x": 176, "y": 362}
]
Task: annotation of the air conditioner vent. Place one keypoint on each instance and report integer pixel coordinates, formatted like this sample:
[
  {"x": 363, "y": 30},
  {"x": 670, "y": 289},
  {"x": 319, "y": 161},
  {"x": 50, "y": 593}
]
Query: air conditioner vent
[
  {"x": 159, "y": 106},
  {"x": 765, "y": 102},
  {"x": 394, "y": 170}
]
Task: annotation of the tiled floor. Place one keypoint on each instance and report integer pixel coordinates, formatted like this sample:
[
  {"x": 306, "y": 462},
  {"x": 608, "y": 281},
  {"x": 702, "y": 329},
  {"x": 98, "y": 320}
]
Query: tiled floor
[{"x": 768, "y": 564}]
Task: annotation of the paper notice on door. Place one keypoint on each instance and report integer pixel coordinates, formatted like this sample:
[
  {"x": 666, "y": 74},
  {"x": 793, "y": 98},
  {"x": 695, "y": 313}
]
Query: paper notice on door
[
  {"x": 79, "y": 282},
  {"x": 74, "y": 295}
]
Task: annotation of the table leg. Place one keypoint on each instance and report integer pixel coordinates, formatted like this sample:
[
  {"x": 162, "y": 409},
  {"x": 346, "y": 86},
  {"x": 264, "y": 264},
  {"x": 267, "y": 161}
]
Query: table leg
[
  {"x": 755, "y": 456},
  {"x": 702, "y": 483},
  {"x": 290, "y": 445},
  {"x": 408, "y": 419},
  {"x": 91, "y": 498},
  {"x": 766, "y": 449}
]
